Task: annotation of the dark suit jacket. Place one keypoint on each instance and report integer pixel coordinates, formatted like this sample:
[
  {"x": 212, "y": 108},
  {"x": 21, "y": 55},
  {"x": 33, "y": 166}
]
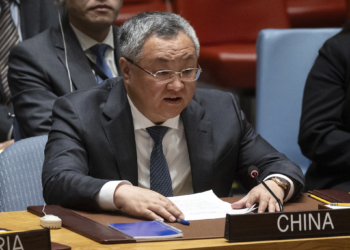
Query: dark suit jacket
[
  {"x": 38, "y": 76},
  {"x": 35, "y": 17},
  {"x": 92, "y": 141},
  {"x": 324, "y": 135}
]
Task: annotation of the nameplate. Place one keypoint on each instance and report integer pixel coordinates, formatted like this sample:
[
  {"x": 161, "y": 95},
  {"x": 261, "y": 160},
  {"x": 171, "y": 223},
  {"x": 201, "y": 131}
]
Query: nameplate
[
  {"x": 287, "y": 225},
  {"x": 26, "y": 240}
]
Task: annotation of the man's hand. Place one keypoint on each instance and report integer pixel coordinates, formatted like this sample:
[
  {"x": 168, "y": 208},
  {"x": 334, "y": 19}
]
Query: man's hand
[
  {"x": 262, "y": 195},
  {"x": 145, "y": 203}
]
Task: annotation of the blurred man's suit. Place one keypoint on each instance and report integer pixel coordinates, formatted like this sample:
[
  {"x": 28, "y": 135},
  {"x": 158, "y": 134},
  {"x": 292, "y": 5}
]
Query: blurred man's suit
[
  {"x": 35, "y": 16},
  {"x": 38, "y": 75}
]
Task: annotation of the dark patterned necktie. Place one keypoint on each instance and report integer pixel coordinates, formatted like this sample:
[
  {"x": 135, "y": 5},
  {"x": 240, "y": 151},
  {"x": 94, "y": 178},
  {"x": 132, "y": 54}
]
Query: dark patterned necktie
[
  {"x": 159, "y": 172},
  {"x": 8, "y": 38},
  {"x": 99, "y": 50}
]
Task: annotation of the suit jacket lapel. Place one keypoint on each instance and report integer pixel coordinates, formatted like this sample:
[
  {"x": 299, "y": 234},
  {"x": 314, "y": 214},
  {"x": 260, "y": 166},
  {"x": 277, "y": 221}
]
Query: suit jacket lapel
[
  {"x": 117, "y": 52},
  {"x": 199, "y": 136},
  {"x": 119, "y": 130},
  {"x": 79, "y": 67}
]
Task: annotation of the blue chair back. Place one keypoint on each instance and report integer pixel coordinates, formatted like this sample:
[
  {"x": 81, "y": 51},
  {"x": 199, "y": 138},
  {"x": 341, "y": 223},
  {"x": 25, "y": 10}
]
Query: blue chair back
[
  {"x": 20, "y": 174},
  {"x": 284, "y": 59}
]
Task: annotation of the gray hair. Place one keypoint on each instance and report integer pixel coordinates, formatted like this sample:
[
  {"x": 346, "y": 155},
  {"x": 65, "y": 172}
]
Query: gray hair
[{"x": 135, "y": 32}]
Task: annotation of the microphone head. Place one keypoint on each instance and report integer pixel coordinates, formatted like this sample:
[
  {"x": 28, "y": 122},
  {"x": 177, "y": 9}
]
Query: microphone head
[{"x": 252, "y": 170}]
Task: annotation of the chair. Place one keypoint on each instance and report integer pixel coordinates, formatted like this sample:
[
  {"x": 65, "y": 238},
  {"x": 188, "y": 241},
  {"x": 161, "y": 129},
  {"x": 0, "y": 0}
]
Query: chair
[
  {"x": 20, "y": 174},
  {"x": 317, "y": 13},
  {"x": 131, "y": 8},
  {"x": 227, "y": 32},
  {"x": 284, "y": 59}
]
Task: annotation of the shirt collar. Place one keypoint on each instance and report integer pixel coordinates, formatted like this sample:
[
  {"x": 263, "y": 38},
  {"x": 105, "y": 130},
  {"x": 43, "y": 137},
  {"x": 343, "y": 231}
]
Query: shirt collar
[
  {"x": 87, "y": 42},
  {"x": 142, "y": 122}
]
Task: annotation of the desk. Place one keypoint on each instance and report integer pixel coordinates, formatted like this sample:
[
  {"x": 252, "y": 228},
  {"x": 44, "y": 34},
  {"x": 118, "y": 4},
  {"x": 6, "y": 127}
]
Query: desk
[{"x": 24, "y": 220}]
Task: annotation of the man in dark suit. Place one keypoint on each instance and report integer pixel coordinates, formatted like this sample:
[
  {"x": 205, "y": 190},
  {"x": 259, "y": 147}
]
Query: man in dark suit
[
  {"x": 152, "y": 129},
  {"x": 324, "y": 135},
  {"x": 30, "y": 18},
  {"x": 39, "y": 72}
]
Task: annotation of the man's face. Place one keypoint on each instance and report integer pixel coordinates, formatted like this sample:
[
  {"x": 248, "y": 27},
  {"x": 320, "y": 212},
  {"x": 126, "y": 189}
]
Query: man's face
[
  {"x": 93, "y": 13},
  {"x": 161, "y": 101}
]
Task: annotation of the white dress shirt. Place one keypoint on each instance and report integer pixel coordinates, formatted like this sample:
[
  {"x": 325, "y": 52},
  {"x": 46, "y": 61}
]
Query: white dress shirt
[{"x": 87, "y": 42}]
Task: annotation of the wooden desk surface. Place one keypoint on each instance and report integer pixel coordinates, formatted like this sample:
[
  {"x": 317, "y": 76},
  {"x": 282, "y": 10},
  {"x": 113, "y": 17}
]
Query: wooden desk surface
[{"x": 24, "y": 220}]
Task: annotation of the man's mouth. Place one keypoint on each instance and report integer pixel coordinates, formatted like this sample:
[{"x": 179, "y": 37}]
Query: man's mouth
[
  {"x": 102, "y": 7},
  {"x": 173, "y": 99}
]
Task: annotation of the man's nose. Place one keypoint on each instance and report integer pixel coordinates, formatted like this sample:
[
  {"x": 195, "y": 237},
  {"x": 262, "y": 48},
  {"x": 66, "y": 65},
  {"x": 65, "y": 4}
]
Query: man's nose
[{"x": 176, "y": 84}]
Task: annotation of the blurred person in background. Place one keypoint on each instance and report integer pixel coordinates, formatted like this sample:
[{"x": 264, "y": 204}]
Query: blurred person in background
[
  {"x": 324, "y": 135},
  {"x": 76, "y": 54},
  {"x": 19, "y": 21}
]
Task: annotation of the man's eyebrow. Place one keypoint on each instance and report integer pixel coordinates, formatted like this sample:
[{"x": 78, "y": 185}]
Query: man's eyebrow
[
  {"x": 162, "y": 59},
  {"x": 189, "y": 57}
]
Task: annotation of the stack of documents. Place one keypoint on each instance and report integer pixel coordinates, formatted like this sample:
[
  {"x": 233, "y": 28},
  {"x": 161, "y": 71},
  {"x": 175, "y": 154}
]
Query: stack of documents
[
  {"x": 337, "y": 206},
  {"x": 206, "y": 205}
]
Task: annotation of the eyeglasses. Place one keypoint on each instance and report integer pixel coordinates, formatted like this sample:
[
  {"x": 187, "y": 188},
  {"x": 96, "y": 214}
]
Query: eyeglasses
[{"x": 166, "y": 76}]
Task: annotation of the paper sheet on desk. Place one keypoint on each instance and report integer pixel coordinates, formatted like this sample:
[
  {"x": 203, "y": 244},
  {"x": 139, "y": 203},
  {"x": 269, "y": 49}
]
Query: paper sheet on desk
[
  {"x": 336, "y": 207},
  {"x": 206, "y": 205}
]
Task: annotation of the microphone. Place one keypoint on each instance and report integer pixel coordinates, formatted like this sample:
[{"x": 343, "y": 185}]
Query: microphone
[{"x": 253, "y": 171}]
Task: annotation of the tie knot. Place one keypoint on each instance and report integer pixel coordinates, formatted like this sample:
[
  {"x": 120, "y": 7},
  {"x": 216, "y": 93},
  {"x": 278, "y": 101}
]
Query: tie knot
[
  {"x": 157, "y": 133},
  {"x": 98, "y": 49}
]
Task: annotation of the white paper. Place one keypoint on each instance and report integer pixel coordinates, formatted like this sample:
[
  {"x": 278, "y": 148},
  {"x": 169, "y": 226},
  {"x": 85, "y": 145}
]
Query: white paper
[
  {"x": 206, "y": 205},
  {"x": 337, "y": 207}
]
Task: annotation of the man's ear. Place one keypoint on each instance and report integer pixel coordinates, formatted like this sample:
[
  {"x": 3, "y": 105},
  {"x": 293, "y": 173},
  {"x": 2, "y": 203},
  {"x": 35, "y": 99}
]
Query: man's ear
[{"x": 125, "y": 69}]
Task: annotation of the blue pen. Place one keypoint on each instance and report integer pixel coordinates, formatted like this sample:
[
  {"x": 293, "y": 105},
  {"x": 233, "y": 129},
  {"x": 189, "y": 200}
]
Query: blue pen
[{"x": 183, "y": 222}]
